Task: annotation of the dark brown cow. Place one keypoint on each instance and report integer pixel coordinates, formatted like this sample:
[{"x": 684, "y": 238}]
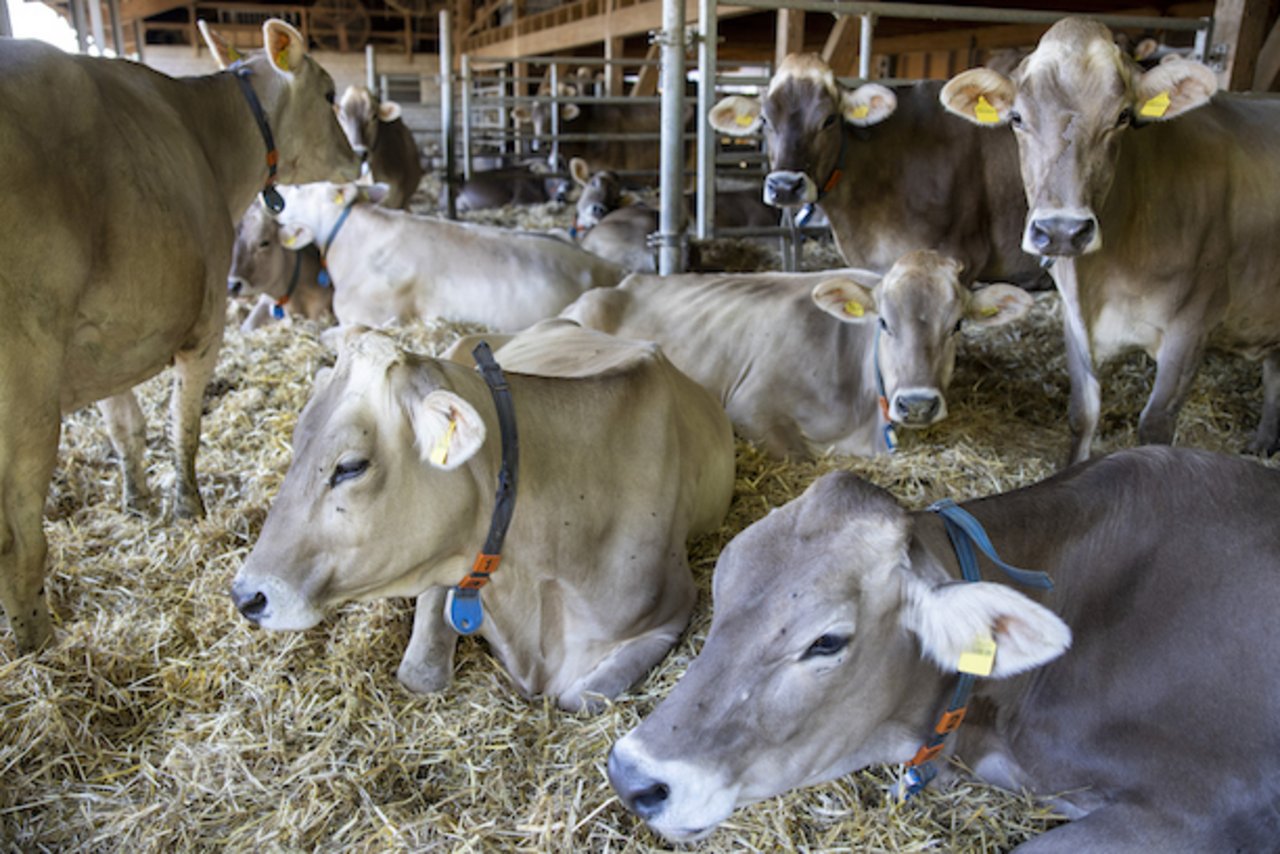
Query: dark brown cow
[
  {"x": 892, "y": 172},
  {"x": 840, "y": 622},
  {"x": 1165, "y": 237},
  {"x": 383, "y": 141},
  {"x": 517, "y": 185}
]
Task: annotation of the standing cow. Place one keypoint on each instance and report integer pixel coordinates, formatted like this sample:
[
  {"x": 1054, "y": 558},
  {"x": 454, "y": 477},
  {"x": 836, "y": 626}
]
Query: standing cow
[
  {"x": 115, "y": 252},
  {"x": 891, "y": 171},
  {"x": 799, "y": 360},
  {"x": 841, "y": 619},
  {"x": 1160, "y": 205},
  {"x": 379, "y": 135},
  {"x": 621, "y": 458}
]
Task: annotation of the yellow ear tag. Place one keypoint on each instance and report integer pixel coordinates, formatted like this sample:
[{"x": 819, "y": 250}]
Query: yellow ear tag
[
  {"x": 979, "y": 657},
  {"x": 860, "y": 112},
  {"x": 338, "y": 198},
  {"x": 854, "y": 309},
  {"x": 282, "y": 57},
  {"x": 744, "y": 120},
  {"x": 1156, "y": 107},
  {"x": 986, "y": 113},
  {"x": 233, "y": 54},
  {"x": 289, "y": 241},
  {"x": 440, "y": 453},
  {"x": 989, "y": 311}
]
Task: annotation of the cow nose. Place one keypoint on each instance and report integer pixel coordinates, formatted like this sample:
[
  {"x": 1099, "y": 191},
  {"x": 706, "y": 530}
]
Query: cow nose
[
  {"x": 235, "y": 285},
  {"x": 784, "y": 188},
  {"x": 917, "y": 408},
  {"x": 251, "y": 604},
  {"x": 1062, "y": 235},
  {"x": 638, "y": 792},
  {"x": 598, "y": 211}
]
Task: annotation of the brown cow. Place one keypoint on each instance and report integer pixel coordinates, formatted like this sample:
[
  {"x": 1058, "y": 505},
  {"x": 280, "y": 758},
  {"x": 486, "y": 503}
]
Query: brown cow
[
  {"x": 287, "y": 281},
  {"x": 379, "y": 135}
]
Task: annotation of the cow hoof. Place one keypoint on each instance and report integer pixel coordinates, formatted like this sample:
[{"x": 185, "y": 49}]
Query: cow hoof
[
  {"x": 138, "y": 504},
  {"x": 188, "y": 507},
  {"x": 1264, "y": 447},
  {"x": 421, "y": 679}
]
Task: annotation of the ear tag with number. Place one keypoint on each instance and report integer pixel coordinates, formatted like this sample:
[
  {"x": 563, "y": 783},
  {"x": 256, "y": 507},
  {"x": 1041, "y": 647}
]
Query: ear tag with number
[
  {"x": 1155, "y": 107},
  {"x": 986, "y": 113},
  {"x": 854, "y": 308},
  {"x": 440, "y": 453},
  {"x": 979, "y": 657}
]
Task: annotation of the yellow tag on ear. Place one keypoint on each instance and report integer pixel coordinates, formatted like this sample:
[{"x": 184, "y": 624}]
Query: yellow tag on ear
[
  {"x": 860, "y": 112},
  {"x": 338, "y": 198},
  {"x": 440, "y": 453},
  {"x": 985, "y": 113},
  {"x": 289, "y": 241},
  {"x": 282, "y": 57},
  {"x": 743, "y": 120},
  {"x": 854, "y": 309},
  {"x": 1156, "y": 107},
  {"x": 989, "y": 311},
  {"x": 233, "y": 54},
  {"x": 979, "y": 657}
]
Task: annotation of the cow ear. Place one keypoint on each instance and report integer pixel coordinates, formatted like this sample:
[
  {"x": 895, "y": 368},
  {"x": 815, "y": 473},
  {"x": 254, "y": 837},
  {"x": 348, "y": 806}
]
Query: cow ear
[
  {"x": 296, "y": 236},
  {"x": 388, "y": 111},
  {"x": 448, "y": 429},
  {"x": 521, "y": 114},
  {"x": 736, "y": 115},
  {"x": 996, "y": 305},
  {"x": 957, "y": 620},
  {"x": 580, "y": 171},
  {"x": 868, "y": 105},
  {"x": 1173, "y": 88},
  {"x": 284, "y": 45},
  {"x": 981, "y": 95},
  {"x": 846, "y": 300},
  {"x": 224, "y": 53},
  {"x": 569, "y": 112}
]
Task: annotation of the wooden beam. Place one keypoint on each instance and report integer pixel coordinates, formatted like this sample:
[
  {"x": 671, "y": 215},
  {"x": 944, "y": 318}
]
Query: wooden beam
[
  {"x": 841, "y": 41},
  {"x": 614, "y": 49},
  {"x": 788, "y": 34},
  {"x": 1264, "y": 76},
  {"x": 647, "y": 82},
  {"x": 481, "y": 19},
  {"x": 1238, "y": 30}
]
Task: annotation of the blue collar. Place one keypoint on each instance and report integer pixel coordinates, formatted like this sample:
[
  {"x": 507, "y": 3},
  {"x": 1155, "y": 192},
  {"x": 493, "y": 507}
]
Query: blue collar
[
  {"x": 270, "y": 195},
  {"x": 324, "y": 279},
  {"x": 277, "y": 310}
]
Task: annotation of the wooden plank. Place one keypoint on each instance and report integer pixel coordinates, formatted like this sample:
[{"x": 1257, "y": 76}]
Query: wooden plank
[
  {"x": 841, "y": 41},
  {"x": 614, "y": 49},
  {"x": 647, "y": 82},
  {"x": 788, "y": 34},
  {"x": 1239, "y": 27},
  {"x": 1264, "y": 76}
]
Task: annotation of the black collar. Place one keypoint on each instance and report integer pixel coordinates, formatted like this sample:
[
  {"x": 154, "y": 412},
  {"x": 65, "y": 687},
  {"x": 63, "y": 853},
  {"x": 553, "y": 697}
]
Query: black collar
[{"x": 270, "y": 195}]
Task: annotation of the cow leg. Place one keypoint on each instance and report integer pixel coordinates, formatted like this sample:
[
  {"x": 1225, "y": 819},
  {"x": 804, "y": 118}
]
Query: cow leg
[
  {"x": 1176, "y": 363},
  {"x": 128, "y": 431},
  {"x": 193, "y": 369},
  {"x": 1116, "y": 829},
  {"x": 1086, "y": 393},
  {"x": 427, "y": 665},
  {"x": 1266, "y": 440}
]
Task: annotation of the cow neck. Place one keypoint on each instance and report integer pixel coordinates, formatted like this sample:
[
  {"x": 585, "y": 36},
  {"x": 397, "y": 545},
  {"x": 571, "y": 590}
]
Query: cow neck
[
  {"x": 325, "y": 279},
  {"x": 462, "y": 606},
  {"x": 270, "y": 195},
  {"x": 964, "y": 532},
  {"x": 837, "y": 171},
  {"x": 277, "y": 310}
]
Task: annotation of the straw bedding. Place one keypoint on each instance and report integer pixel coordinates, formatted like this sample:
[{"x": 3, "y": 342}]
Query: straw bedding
[{"x": 159, "y": 721}]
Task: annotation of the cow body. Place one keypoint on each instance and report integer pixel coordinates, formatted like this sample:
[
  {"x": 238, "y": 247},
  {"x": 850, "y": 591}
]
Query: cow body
[
  {"x": 1163, "y": 238},
  {"x": 792, "y": 356},
  {"x": 587, "y": 119},
  {"x": 94, "y": 309},
  {"x": 379, "y": 135},
  {"x": 518, "y": 185},
  {"x": 891, "y": 171},
  {"x": 283, "y": 278},
  {"x": 839, "y": 621},
  {"x": 394, "y": 266},
  {"x": 618, "y": 465}
]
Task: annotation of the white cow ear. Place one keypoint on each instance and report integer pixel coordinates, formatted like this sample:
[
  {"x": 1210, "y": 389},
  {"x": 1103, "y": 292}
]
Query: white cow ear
[
  {"x": 736, "y": 115},
  {"x": 580, "y": 171},
  {"x": 284, "y": 45},
  {"x": 388, "y": 111},
  {"x": 981, "y": 95},
  {"x": 949, "y": 620},
  {"x": 996, "y": 305},
  {"x": 845, "y": 299},
  {"x": 224, "y": 53},
  {"x": 569, "y": 112},
  {"x": 296, "y": 236},
  {"x": 868, "y": 105},
  {"x": 1173, "y": 88},
  {"x": 521, "y": 114},
  {"x": 448, "y": 429}
]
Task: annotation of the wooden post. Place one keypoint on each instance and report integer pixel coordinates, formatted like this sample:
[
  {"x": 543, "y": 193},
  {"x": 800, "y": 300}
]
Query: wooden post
[
  {"x": 613, "y": 74},
  {"x": 646, "y": 83},
  {"x": 1238, "y": 31},
  {"x": 789, "y": 34},
  {"x": 839, "y": 49}
]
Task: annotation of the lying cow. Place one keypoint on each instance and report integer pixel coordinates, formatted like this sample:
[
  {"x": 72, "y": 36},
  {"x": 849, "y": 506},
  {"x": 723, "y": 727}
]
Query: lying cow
[
  {"x": 530, "y": 184},
  {"x": 1165, "y": 240},
  {"x": 391, "y": 492},
  {"x": 889, "y": 168},
  {"x": 1141, "y": 690},
  {"x": 117, "y": 242},
  {"x": 392, "y": 266},
  {"x": 284, "y": 280},
  {"x": 789, "y": 375},
  {"x": 379, "y": 135}
]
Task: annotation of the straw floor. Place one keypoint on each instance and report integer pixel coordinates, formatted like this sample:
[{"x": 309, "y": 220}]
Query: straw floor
[{"x": 159, "y": 721}]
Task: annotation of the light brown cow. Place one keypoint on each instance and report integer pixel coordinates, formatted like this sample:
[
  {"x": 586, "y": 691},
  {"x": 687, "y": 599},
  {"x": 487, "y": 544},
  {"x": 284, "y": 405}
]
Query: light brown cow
[
  {"x": 123, "y": 193},
  {"x": 794, "y": 357},
  {"x": 390, "y": 493},
  {"x": 890, "y": 169},
  {"x": 286, "y": 281},
  {"x": 840, "y": 621},
  {"x": 1165, "y": 236},
  {"x": 379, "y": 135}
]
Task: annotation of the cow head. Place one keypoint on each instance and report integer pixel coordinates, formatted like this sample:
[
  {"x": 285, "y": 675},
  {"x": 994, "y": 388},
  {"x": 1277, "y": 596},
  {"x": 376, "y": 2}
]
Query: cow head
[
  {"x": 832, "y": 635},
  {"x": 601, "y": 192},
  {"x": 312, "y": 210},
  {"x": 802, "y": 116},
  {"x": 1071, "y": 102},
  {"x": 260, "y": 264},
  {"x": 538, "y": 115},
  {"x": 361, "y": 116},
  {"x": 297, "y": 97},
  {"x": 920, "y": 307},
  {"x": 377, "y": 494}
]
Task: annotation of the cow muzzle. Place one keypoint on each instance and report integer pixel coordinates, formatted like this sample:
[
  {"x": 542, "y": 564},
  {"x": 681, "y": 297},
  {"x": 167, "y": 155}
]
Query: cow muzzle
[
  {"x": 918, "y": 407},
  {"x": 251, "y": 603},
  {"x": 269, "y": 603},
  {"x": 235, "y": 285},
  {"x": 784, "y": 189},
  {"x": 1062, "y": 233}
]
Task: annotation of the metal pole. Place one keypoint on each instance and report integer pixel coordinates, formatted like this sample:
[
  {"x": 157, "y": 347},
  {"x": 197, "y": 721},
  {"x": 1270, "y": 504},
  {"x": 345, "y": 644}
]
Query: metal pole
[
  {"x": 77, "y": 23},
  {"x": 370, "y": 68},
  {"x": 865, "y": 30},
  {"x": 708, "y": 31},
  {"x": 117, "y": 31},
  {"x": 446, "y": 114},
  {"x": 671, "y": 187},
  {"x": 554, "y": 159},
  {"x": 139, "y": 39},
  {"x": 99, "y": 32},
  {"x": 6, "y": 25},
  {"x": 466, "y": 116}
]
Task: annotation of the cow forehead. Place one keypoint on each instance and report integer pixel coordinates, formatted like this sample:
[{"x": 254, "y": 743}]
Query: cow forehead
[
  {"x": 799, "y": 72},
  {"x": 924, "y": 283},
  {"x": 357, "y": 103},
  {"x": 1080, "y": 59}
]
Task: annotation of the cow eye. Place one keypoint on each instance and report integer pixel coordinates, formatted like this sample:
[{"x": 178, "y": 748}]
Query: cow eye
[
  {"x": 1015, "y": 118},
  {"x": 328, "y": 96},
  {"x": 959, "y": 323},
  {"x": 884, "y": 326},
  {"x": 829, "y": 121},
  {"x": 347, "y": 470},
  {"x": 826, "y": 645},
  {"x": 264, "y": 244},
  {"x": 1126, "y": 116}
]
